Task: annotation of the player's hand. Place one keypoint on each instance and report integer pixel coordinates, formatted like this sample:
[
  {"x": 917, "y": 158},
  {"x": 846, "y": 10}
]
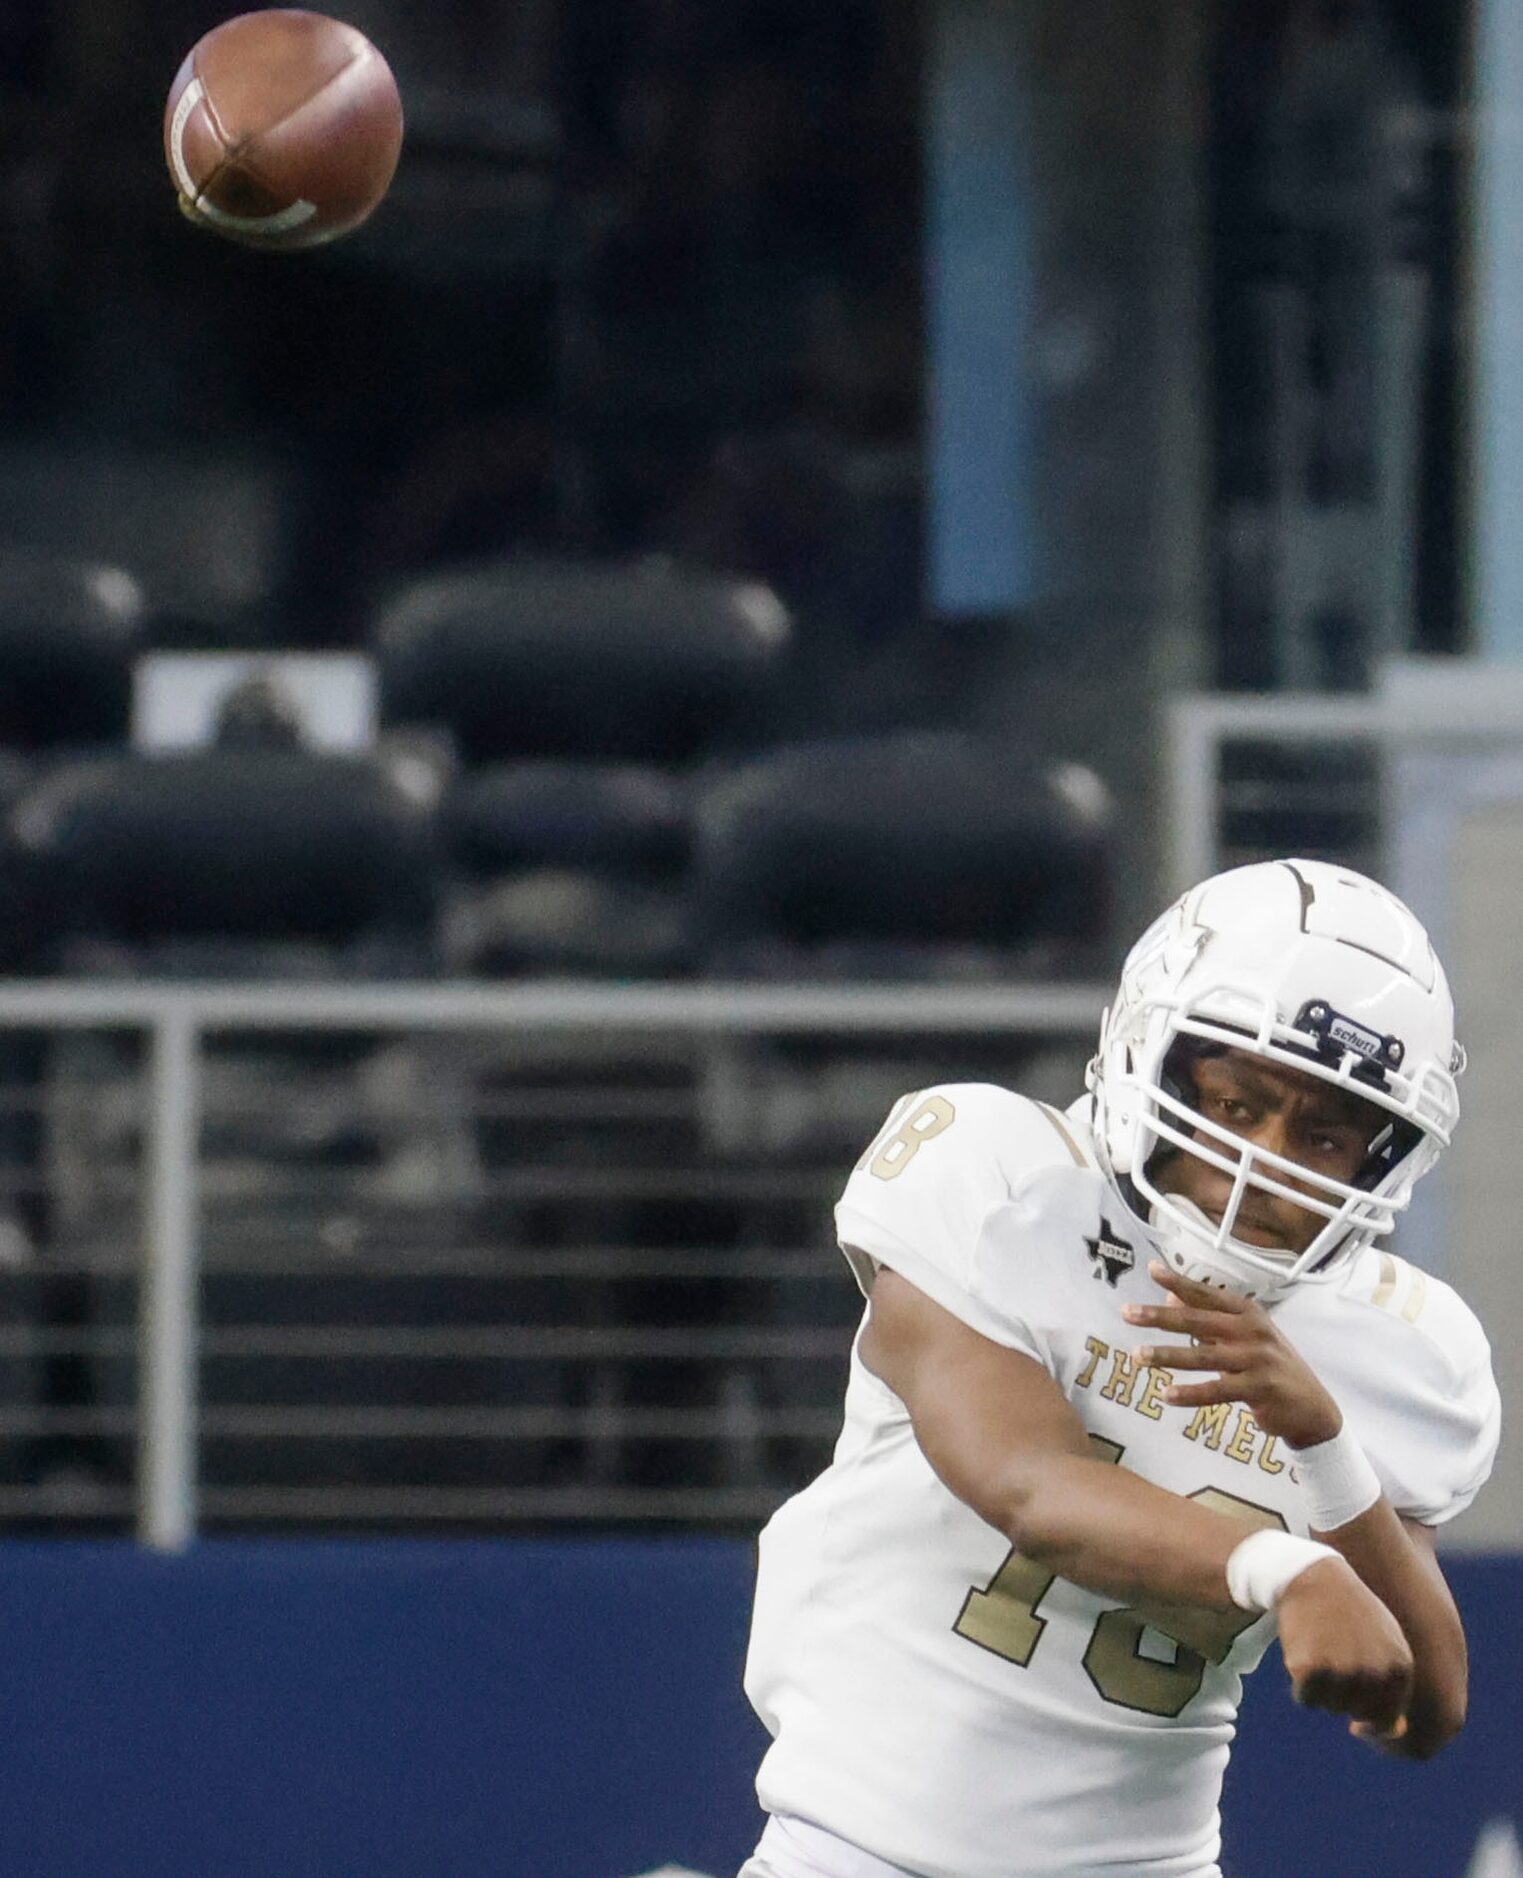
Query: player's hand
[
  {"x": 1236, "y": 1338},
  {"x": 1345, "y": 1651}
]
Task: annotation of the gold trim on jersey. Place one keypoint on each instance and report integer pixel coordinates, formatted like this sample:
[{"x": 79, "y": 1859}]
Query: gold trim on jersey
[
  {"x": 1400, "y": 1280},
  {"x": 1062, "y": 1127}
]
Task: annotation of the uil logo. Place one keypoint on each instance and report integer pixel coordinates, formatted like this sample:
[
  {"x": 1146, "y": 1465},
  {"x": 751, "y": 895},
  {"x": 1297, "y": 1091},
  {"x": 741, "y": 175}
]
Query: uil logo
[{"x": 1111, "y": 1256}]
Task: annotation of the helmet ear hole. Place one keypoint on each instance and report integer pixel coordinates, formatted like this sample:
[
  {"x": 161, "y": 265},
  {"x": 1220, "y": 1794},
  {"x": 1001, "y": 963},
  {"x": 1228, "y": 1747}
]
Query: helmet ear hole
[
  {"x": 1176, "y": 1074},
  {"x": 1389, "y": 1149}
]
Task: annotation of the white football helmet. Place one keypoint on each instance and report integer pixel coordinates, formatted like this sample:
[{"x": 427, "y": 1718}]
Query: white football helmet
[{"x": 1314, "y": 967}]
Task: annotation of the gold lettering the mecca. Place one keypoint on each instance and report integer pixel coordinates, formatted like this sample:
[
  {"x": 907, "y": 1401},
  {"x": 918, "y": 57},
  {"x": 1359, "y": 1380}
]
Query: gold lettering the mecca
[
  {"x": 1210, "y": 1421},
  {"x": 1227, "y": 1428},
  {"x": 1123, "y": 1379},
  {"x": 1152, "y": 1404},
  {"x": 1097, "y": 1350},
  {"x": 1240, "y": 1447}
]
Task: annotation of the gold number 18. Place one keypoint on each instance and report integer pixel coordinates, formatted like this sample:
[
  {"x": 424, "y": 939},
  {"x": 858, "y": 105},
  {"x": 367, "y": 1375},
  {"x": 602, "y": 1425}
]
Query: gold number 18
[{"x": 1003, "y": 1618}]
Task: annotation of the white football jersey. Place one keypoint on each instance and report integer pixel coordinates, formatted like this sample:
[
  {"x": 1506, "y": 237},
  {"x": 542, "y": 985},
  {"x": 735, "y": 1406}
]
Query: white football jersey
[{"x": 949, "y": 1706}]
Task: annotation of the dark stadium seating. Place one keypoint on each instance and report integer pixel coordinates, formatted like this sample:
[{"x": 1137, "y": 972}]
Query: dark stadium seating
[
  {"x": 568, "y": 867},
  {"x": 583, "y": 660},
  {"x": 615, "y": 814},
  {"x": 576, "y": 693},
  {"x": 259, "y": 846},
  {"x": 920, "y": 852},
  {"x": 69, "y": 630},
  {"x": 210, "y": 536},
  {"x": 622, "y": 817}
]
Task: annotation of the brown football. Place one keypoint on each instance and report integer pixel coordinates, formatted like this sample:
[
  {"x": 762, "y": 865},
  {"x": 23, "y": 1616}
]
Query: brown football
[{"x": 282, "y": 129}]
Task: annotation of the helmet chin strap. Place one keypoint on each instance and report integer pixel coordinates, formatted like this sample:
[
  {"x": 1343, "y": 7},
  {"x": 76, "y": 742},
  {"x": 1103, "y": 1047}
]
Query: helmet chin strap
[{"x": 1184, "y": 1253}]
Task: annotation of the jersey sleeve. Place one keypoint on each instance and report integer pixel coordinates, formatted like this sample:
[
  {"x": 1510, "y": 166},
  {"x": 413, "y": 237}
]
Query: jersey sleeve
[
  {"x": 956, "y": 1194},
  {"x": 1431, "y": 1432}
]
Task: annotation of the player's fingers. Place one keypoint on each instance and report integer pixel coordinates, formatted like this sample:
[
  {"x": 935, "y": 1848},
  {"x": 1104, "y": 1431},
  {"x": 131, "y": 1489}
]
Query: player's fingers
[
  {"x": 1385, "y": 1712},
  {"x": 1184, "y": 1321},
  {"x": 1213, "y": 1356},
  {"x": 1367, "y": 1731},
  {"x": 1201, "y": 1394},
  {"x": 1378, "y": 1702},
  {"x": 1192, "y": 1291}
]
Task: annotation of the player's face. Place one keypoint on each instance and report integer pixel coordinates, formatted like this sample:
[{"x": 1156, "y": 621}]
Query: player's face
[{"x": 1285, "y": 1111}]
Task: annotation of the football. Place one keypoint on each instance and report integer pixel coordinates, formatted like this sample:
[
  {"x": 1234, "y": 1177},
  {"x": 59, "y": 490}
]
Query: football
[{"x": 282, "y": 129}]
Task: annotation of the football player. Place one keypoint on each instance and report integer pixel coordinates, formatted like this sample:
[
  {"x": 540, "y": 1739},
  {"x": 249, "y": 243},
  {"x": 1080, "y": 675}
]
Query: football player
[{"x": 1137, "y": 1385}]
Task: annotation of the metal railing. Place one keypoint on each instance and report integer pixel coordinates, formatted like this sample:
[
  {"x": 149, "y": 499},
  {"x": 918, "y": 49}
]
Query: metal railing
[
  {"x": 458, "y": 1254},
  {"x": 1213, "y": 818}
]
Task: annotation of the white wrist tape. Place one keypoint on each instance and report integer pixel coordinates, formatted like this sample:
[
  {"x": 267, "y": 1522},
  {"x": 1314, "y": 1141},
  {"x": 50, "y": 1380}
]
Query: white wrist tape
[
  {"x": 1337, "y": 1481},
  {"x": 1262, "y": 1565}
]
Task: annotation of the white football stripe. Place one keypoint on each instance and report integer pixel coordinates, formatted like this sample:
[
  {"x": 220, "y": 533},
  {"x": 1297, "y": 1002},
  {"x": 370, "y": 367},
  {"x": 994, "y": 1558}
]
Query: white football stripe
[{"x": 291, "y": 217}]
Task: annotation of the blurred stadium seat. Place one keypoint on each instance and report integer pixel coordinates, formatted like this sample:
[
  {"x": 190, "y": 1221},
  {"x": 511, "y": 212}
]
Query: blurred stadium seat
[
  {"x": 924, "y": 853},
  {"x": 69, "y": 630},
  {"x": 574, "y": 692},
  {"x": 567, "y": 867},
  {"x": 571, "y": 659},
  {"x": 623, "y": 817},
  {"x": 233, "y": 847},
  {"x": 209, "y": 536}
]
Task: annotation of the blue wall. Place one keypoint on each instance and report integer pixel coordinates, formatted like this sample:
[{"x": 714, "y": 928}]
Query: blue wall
[
  {"x": 538, "y": 1710},
  {"x": 373, "y": 1711}
]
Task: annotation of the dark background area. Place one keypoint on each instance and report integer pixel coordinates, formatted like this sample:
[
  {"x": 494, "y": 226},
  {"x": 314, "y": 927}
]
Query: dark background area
[
  {"x": 610, "y": 443},
  {"x": 647, "y": 282}
]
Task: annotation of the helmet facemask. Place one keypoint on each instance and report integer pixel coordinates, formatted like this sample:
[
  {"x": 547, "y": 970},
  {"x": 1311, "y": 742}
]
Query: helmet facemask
[
  {"x": 1297, "y": 964},
  {"x": 1352, "y": 1212}
]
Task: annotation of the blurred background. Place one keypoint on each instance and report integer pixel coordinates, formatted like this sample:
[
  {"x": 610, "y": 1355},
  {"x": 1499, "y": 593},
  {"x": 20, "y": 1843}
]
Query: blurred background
[{"x": 794, "y": 531}]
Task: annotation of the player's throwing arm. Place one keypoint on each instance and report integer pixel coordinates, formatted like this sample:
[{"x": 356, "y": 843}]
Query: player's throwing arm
[{"x": 998, "y": 1431}]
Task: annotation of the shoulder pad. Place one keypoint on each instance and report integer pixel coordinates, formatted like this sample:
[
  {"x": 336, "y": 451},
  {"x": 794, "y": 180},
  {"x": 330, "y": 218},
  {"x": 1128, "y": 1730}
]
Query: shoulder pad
[
  {"x": 1022, "y": 1136},
  {"x": 1423, "y": 1396},
  {"x": 943, "y": 1161},
  {"x": 1428, "y": 1317}
]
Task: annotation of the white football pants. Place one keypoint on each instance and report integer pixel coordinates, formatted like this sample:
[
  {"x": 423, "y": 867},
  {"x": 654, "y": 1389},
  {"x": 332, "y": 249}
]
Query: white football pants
[{"x": 791, "y": 1848}]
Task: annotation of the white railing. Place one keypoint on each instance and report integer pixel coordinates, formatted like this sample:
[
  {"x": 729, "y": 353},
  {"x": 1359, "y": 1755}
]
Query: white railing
[
  {"x": 1453, "y": 703},
  {"x": 1200, "y": 726},
  {"x": 182, "y": 1022}
]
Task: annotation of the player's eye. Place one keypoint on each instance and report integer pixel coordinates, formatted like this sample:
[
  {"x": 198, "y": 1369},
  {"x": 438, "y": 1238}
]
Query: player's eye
[{"x": 1331, "y": 1144}]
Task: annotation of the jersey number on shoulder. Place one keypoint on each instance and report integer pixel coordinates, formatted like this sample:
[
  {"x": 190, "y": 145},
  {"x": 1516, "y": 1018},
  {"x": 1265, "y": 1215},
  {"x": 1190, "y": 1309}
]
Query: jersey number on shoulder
[
  {"x": 1003, "y": 1618},
  {"x": 903, "y": 1135}
]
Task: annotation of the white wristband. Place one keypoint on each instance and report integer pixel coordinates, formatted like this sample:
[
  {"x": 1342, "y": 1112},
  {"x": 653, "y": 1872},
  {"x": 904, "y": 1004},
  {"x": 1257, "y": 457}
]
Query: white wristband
[
  {"x": 1262, "y": 1565},
  {"x": 1337, "y": 1481}
]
